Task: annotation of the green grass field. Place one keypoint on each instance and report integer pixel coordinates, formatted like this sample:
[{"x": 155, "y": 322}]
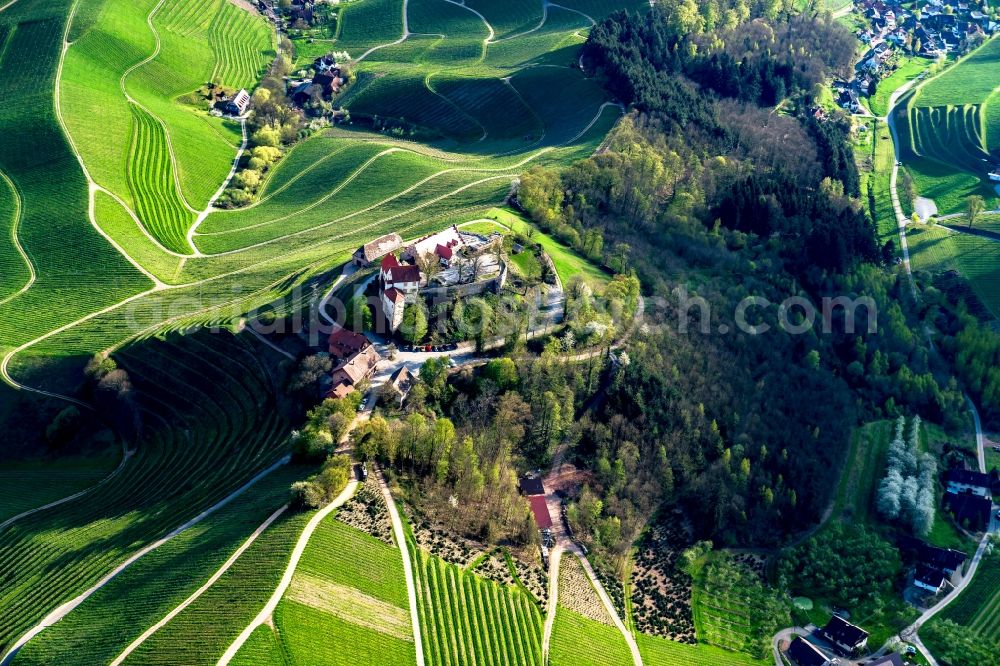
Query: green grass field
[
  {"x": 112, "y": 161},
  {"x": 346, "y": 606},
  {"x": 663, "y": 652},
  {"x": 970, "y": 82},
  {"x": 977, "y": 259},
  {"x": 909, "y": 69},
  {"x": 949, "y": 130},
  {"x": 29, "y": 484},
  {"x": 567, "y": 261},
  {"x": 100, "y": 629},
  {"x": 580, "y": 641}
]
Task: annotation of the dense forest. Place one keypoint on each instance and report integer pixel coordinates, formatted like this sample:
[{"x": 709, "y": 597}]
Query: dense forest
[{"x": 712, "y": 198}]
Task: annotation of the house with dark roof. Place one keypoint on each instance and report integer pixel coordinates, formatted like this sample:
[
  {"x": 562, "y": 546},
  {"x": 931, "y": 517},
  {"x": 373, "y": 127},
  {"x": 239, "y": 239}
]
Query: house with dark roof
[
  {"x": 970, "y": 511},
  {"x": 888, "y": 660},
  {"x": 239, "y": 104},
  {"x": 928, "y": 578},
  {"x": 850, "y": 639},
  {"x": 968, "y": 481},
  {"x": 804, "y": 653},
  {"x": 402, "y": 381},
  {"x": 947, "y": 561},
  {"x": 531, "y": 485}
]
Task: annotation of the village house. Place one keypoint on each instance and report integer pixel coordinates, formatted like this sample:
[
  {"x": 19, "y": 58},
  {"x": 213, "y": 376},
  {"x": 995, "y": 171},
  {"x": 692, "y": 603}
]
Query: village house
[
  {"x": 376, "y": 249},
  {"x": 402, "y": 381},
  {"x": 934, "y": 566},
  {"x": 239, "y": 104},
  {"x": 804, "y": 653},
  {"x": 970, "y": 511},
  {"x": 357, "y": 361},
  {"x": 928, "y": 578},
  {"x": 845, "y": 636},
  {"x": 965, "y": 481},
  {"x": 348, "y": 374}
]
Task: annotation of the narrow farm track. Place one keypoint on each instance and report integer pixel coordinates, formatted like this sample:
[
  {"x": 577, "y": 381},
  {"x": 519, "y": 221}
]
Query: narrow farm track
[
  {"x": 265, "y": 614},
  {"x": 63, "y": 610},
  {"x": 411, "y": 587},
  {"x": 193, "y": 229},
  {"x": 201, "y": 590},
  {"x": 541, "y": 24},
  {"x": 403, "y": 38},
  {"x": 16, "y": 241},
  {"x": 51, "y": 505},
  {"x": 489, "y": 27}
]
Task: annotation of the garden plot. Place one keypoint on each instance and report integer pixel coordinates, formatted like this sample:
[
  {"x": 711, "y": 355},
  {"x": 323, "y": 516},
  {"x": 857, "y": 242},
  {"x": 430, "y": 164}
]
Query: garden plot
[{"x": 661, "y": 592}]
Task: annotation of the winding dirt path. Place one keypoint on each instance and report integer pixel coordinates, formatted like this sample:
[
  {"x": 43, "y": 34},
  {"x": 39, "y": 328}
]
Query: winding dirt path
[
  {"x": 209, "y": 207},
  {"x": 406, "y": 34},
  {"x": 201, "y": 590},
  {"x": 17, "y": 241},
  {"x": 64, "y": 610},
  {"x": 411, "y": 586},
  {"x": 300, "y": 546},
  {"x": 126, "y": 454}
]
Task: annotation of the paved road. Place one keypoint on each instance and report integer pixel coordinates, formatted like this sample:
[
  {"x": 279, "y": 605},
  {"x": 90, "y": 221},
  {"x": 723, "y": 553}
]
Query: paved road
[
  {"x": 910, "y": 633},
  {"x": 785, "y": 635},
  {"x": 286, "y": 579}
]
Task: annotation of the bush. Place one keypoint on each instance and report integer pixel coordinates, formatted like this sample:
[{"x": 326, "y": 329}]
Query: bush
[{"x": 322, "y": 488}]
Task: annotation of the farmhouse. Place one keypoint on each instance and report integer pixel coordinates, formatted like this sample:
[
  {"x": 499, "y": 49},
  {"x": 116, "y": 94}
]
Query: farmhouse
[
  {"x": 928, "y": 578},
  {"x": 945, "y": 560},
  {"x": 804, "y": 653},
  {"x": 849, "y": 638},
  {"x": 376, "y": 249},
  {"x": 344, "y": 344},
  {"x": 969, "y": 509},
  {"x": 352, "y": 371},
  {"x": 402, "y": 381},
  {"x": 964, "y": 481},
  {"x": 239, "y": 104}
]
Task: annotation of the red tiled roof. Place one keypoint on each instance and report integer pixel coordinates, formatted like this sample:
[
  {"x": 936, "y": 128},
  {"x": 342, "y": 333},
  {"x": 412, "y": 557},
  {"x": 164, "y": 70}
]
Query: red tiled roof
[
  {"x": 541, "y": 511},
  {"x": 394, "y": 295},
  {"x": 344, "y": 343},
  {"x": 402, "y": 273},
  {"x": 443, "y": 251},
  {"x": 389, "y": 261}
]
